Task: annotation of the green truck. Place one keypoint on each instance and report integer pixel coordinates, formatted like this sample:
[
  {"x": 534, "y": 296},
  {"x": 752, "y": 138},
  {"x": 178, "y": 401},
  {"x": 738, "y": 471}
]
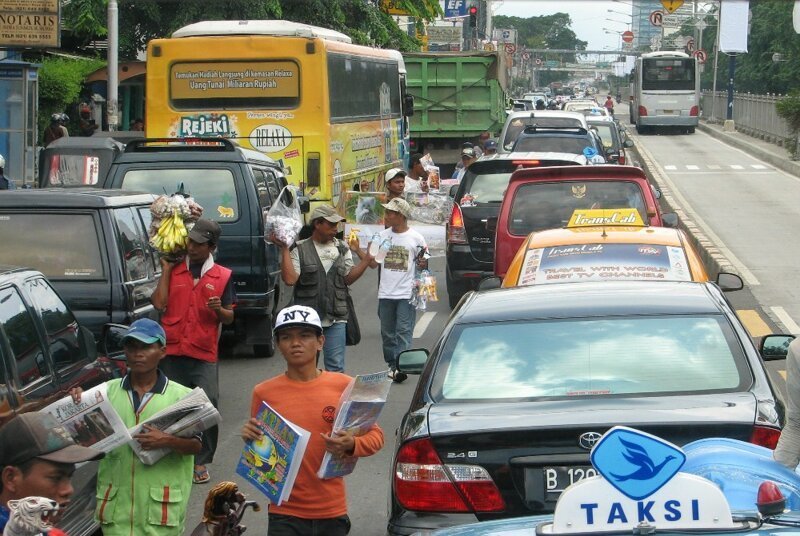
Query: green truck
[{"x": 457, "y": 96}]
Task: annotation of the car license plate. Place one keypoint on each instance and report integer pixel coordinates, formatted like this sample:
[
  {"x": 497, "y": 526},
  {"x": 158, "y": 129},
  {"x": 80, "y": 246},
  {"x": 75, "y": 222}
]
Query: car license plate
[
  {"x": 668, "y": 112},
  {"x": 557, "y": 479}
]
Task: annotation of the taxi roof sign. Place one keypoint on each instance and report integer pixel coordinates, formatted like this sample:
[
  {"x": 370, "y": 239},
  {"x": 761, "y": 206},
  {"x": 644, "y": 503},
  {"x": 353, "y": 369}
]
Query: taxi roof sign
[{"x": 608, "y": 216}]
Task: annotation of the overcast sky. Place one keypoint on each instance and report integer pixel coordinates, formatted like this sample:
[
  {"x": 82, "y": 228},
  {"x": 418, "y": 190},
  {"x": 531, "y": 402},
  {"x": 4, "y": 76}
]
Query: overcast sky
[{"x": 588, "y": 17}]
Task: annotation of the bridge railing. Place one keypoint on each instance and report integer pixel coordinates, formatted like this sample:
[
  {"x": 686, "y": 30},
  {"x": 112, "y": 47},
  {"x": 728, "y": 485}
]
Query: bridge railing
[{"x": 754, "y": 115}]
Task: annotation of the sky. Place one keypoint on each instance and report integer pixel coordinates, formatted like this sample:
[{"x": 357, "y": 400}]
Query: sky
[{"x": 588, "y": 17}]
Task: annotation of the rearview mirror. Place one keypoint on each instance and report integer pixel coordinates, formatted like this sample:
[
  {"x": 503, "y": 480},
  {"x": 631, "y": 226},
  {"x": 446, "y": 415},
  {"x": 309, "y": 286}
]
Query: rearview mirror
[
  {"x": 408, "y": 105},
  {"x": 412, "y": 361},
  {"x": 774, "y": 347},
  {"x": 489, "y": 283},
  {"x": 728, "y": 282},
  {"x": 670, "y": 219},
  {"x": 111, "y": 343}
]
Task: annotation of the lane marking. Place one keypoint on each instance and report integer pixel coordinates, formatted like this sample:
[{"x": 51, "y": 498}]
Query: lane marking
[
  {"x": 714, "y": 166},
  {"x": 692, "y": 167},
  {"x": 755, "y": 325},
  {"x": 671, "y": 167},
  {"x": 736, "y": 166},
  {"x": 423, "y": 323},
  {"x": 782, "y": 373},
  {"x": 758, "y": 166},
  {"x": 787, "y": 321}
]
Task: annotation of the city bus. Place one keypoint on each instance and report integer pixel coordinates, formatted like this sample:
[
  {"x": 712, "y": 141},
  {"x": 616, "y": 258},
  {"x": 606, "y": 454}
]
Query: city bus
[
  {"x": 329, "y": 111},
  {"x": 665, "y": 91}
]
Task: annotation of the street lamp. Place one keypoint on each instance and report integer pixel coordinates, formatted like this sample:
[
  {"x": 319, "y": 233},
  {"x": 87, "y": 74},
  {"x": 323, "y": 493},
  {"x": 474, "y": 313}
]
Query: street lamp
[
  {"x": 619, "y": 21},
  {"x": 619, "y": 12}
]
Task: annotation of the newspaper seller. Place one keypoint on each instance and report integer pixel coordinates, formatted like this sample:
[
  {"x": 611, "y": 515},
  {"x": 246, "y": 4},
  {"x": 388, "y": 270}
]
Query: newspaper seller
[
  {"x": 308, "y": 397},
  {"x": 134, "y": 499}
]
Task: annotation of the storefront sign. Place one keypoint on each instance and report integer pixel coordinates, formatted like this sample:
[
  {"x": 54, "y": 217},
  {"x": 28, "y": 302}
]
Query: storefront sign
[{"x": 30, "y": 23}]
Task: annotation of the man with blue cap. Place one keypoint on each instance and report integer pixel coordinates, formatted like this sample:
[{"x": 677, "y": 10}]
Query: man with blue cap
[{"x": 127, "y": 489}]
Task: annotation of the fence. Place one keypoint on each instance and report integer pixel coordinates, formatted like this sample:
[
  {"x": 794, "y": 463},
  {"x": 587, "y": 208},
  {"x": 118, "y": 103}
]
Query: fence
[{"x": 754, "y": 115}]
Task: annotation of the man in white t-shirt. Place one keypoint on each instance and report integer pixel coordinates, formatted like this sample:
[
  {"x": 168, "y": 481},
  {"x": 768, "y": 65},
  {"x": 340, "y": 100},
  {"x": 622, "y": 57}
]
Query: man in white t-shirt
[
  {"x": 417, "y": 177},
  {"x": 405, "y": 257},
  {"x": 315, "y": 268}
]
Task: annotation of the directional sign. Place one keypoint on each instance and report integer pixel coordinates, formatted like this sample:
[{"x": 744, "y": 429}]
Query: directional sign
[
  {"x": 671, "y": 5},
  {"x": 526, "y": 55},
  {"x": 510, "y": 48},
  {"x": 690, "y": 45},
  {"x": 627, "y": 36},
  {"x": 538, "y": 61},
  {"x": 656, "y": 17},
  {"x": 701, "y": 55}
]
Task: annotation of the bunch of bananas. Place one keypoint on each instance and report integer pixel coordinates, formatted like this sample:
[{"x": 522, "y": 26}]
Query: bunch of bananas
[{"x": 171, "y": 235}]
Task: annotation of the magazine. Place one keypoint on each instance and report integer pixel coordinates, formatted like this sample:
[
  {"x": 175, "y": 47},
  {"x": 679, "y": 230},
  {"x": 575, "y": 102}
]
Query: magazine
[
  {"x": 188, "y": 417},
  {"x": 271, "y": 463},
  {"x": 93, "y": 422},
  {"x": 359, "y": 408}
]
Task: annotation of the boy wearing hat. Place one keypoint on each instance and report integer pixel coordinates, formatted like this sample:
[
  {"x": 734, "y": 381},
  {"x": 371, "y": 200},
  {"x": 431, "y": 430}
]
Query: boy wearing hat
[
  {"x": 127, "y": 489},
  {"x": 196, "y": 296},
  {"x": 38, "y": 457},
  {"x": 308, "y": 396},
  {"x": 395, "y": 180},
  {"x": 316, "y": 268}
]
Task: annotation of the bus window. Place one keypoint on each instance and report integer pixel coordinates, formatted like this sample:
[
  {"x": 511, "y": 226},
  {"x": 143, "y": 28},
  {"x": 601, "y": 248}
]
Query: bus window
[{"x": 673, "y": 74}]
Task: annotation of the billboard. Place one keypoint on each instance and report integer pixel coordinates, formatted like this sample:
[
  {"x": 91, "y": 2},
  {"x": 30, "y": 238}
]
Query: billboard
[{"x": 30, "y": 23}]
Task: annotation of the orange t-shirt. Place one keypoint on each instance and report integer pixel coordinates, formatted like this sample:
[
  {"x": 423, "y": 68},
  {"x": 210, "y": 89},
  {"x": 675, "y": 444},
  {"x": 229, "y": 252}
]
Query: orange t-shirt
[{"x": 312, "y": 405}]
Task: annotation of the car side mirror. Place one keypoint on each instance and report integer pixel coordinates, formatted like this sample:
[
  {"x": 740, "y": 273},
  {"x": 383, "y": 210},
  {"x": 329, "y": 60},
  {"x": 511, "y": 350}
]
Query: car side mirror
[
  {"x": 111, "y": 343},
  {"x": 87, "y": 339},
  {"x": 670, "y": 219},
  {"x": 408, "y": 105},
  {"x": 412, "y": 361},
  {"x": 627, "y": 144},
  {"x": 489, "y": 283},
  {"x": 305, "y": 203},
  {"x": 728, "y": 282},
  {"x": 491, "y": 223},
  {"x": 775, "y": 347}
]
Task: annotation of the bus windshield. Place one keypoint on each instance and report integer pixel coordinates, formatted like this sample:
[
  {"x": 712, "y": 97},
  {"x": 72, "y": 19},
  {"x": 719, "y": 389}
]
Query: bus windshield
[{"x": 668, "y": 74}]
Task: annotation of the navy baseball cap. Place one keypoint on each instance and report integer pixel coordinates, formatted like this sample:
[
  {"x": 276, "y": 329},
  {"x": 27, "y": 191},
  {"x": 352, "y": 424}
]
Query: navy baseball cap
[{"x": 147, "y": 331}]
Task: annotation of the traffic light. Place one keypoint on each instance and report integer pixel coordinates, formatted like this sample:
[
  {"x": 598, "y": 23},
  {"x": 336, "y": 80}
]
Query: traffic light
[{"x": 473, "y": 16}]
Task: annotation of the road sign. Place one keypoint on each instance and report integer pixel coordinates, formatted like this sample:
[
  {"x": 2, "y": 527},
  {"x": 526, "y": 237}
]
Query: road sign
[
  {"x": 701, "y": 55},
  {"x": 510, "y": 48},
  {"x": 671, "y": 5},
  {"x": 656, "y": 17},
  {"x": 455, "y": 9},
  {"x": 537, "y": 61},
  {"x": 526, "y": 55},
  {"x": 627, "y": 36},
  {"x": 690, "y": 45},
  {"x": 551, "y": 63}
]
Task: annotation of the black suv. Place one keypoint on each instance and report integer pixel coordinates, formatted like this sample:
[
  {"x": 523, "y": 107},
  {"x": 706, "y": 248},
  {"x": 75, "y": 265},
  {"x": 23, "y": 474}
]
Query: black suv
[
  {"x": 235, "y": 187},
  {"x": 558, "y": 139},
  {"x": 43, "y": 354},
  {"x": 91, "y": 243},
  {"x": 469, "y": 232}
]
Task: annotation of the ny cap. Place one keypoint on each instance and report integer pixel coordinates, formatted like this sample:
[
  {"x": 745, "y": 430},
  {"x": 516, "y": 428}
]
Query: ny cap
[
  {"x": 297, "y": 316},
  {"x": 38, "y": 435},
  {"x": 146, "y": 330}
]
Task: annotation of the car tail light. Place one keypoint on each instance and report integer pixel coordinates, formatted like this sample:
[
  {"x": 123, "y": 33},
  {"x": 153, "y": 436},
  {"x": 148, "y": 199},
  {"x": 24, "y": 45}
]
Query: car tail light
[
  {"x": 765, "y": 436},
  {"x": 642, "y": 111},
  {"x": 694, "y": 111},
  {"x": 525, "y": 163},
  {"x": 456, "y": 233},
  {"x": 422, "y": 483},
  {"x": 621, "y": 159}
]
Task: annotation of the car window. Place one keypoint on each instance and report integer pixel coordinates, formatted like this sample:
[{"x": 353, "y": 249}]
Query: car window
[
  {"x": 131, "y": 244},
  {"x": 516, "y": 126},
  {"x": 147, "y": 219},
  {"x": 554, "y": 144},
  {"x": 63, "y": 336},
  {"x": 262, "y": 189},
  {"x": 487, "y": 184},
  {"x": 606, "y": 134},
  {"x": 61, "y": 246},
  {"x": 548, "y": 205},
  {"x": 20, "y": 329},
  {"x": 213, "y": 189},
  {"x": 596, "y": 357}
]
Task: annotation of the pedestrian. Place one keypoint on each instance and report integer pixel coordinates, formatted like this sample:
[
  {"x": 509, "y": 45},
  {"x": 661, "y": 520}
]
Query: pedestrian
[
  {"x": 196, "y": 296},
  {"x": 417, "y": 176},
  {"x": 540, "y": 105},
  {"x": 787, "y": 452},
  {"x": 306, "y": 396},
  {"x": 54, "y": 130},
  {"x": 127, "y": 489},
  {"x": 407, "y": 254},
  {"x": 460, "y": 164},
  {"x": 320, "y": 268},
  {"x": 467, "y": 158},
  {"x": 609, "y": 105},
  {"x": 395, "y": 180},
  {"x": 37, "y": 459},
  {"x": 5, "y": 182},
  {"x": 86, "y": 124},
  {"x": 489, "y": 148}
]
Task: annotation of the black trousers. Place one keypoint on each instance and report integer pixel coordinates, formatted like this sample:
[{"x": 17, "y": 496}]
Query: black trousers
[{"x": 283, "y": 525}]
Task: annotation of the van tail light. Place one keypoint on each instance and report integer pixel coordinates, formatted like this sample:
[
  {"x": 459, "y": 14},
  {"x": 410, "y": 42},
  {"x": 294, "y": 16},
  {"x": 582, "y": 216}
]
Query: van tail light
[
  {"x": 621, "y": 159},
  {"x": 456, "y": 233},
  {"x": 765, "y": 436},
  {"x": 694, "y": 111},
  {"x": 642, "y": 111},
  {"x": 422, "y": 483}
]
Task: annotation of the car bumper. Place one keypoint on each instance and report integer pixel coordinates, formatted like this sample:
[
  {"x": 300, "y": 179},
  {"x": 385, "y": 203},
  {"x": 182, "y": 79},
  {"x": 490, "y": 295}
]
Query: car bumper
[
  {"x": 669, "y": 120},
  {"x": 412, "y": 523},
  {"x": 464, "y": 270}
]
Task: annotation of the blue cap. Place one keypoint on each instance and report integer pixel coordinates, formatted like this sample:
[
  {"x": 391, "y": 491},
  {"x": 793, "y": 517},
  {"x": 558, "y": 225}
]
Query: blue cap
[
  {"x": 147, "y": 331},
  {"x": 490, "y": 144}
]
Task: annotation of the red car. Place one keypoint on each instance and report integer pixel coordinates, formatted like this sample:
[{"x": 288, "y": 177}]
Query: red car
[{"x": 545, "y": 198}]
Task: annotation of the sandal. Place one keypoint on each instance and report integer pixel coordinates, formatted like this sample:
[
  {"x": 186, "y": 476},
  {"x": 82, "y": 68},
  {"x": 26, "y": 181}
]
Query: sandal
[{"x": 201, "y": 476}]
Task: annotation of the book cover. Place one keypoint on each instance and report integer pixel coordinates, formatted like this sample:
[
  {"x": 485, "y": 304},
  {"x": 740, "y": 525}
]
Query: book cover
[{"x": 271, "y": 463}]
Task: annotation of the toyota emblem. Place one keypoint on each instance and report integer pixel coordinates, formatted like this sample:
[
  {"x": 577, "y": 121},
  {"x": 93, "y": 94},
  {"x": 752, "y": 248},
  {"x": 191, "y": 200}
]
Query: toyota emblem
[{"x": 587, "y": 440}]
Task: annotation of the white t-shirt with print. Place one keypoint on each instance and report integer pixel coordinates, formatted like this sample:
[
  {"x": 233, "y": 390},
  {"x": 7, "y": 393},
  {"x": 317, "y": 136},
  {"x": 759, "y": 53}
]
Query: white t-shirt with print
[{"x": 397, "y": 273}]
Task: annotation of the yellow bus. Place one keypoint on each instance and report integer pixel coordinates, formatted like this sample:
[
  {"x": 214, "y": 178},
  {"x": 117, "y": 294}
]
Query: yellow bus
[{"x": 329, "y": 111}]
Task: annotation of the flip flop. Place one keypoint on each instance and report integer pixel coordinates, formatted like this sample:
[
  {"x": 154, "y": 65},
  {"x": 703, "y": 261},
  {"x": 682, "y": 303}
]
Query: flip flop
[{"x": 201, "y": 476}]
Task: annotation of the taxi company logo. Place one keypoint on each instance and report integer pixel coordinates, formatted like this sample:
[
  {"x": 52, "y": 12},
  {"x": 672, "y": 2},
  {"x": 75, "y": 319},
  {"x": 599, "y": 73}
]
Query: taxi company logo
[
  {"x": 587, "y": 440},
  {"x": 645, "y": 250},
  {"x": 270, "y": 138},
  {"x": 636, "y": 463}
]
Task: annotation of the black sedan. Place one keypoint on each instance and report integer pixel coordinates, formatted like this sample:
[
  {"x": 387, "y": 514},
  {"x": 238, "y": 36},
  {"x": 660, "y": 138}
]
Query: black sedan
[{"x": 524, "y": 381}]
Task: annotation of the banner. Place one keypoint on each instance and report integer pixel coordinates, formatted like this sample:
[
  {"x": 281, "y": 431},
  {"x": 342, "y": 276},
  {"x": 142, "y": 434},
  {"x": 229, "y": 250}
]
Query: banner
[{"x": 733, "y": 19}]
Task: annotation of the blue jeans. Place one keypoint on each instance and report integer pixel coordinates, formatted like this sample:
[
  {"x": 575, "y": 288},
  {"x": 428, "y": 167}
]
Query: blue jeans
[
  {"x": 333, "y": 349},
  {"x": 397, "y": 327}
]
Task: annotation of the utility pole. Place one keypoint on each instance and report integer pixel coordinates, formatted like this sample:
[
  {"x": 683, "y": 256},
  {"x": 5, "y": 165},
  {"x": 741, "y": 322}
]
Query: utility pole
[{"x": 113, "y": 66}]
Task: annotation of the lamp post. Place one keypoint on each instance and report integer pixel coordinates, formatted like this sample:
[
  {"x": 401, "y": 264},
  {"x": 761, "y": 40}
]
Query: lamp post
[{"x": 619, "y": 33}]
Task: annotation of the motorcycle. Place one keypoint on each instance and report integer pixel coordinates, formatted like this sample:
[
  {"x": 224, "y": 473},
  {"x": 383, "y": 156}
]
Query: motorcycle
[{"x": 223, "y": 512}]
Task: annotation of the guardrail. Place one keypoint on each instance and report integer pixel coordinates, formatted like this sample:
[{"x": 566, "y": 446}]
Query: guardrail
[{"x": 754, "y": 115}]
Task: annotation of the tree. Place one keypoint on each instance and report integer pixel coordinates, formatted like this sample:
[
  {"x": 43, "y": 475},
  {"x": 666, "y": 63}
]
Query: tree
[{"x": 60, "y": 83}]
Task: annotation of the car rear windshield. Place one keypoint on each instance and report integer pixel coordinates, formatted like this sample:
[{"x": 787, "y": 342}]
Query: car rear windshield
[
  {"x": 607, "y": 134},
  {"x": 642, "y": 355},
  {"x": 544, "y": 143},
  {"x": 549, "y": 205},
  {"x": 518, "y": 125},
  {"x": 213, "y": 189},
  {"x": 668, "y": 74},
  {"x": 61, "y": 246}
]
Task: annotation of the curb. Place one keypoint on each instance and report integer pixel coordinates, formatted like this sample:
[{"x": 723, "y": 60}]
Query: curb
[{"x": 782, "y": 163}]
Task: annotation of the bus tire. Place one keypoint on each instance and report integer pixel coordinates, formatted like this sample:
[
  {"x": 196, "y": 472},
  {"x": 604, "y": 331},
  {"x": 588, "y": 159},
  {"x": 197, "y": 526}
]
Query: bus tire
[{"x": 690, "y": 130}]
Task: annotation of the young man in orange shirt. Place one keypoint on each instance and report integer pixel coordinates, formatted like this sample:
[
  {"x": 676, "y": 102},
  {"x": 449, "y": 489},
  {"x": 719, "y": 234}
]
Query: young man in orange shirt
[{"x": 309, "y": 397}]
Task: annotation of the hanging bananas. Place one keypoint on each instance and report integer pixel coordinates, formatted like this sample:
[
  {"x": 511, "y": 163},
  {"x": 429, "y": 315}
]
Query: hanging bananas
[{"x": 171, "y": 235}]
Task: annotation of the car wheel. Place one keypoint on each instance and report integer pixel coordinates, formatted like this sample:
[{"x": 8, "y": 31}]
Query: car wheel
[{"x": 690, "y": 130}]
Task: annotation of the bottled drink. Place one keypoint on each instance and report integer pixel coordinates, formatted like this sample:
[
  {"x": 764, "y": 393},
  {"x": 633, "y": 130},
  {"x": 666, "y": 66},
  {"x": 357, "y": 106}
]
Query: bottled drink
[
  {"x": 374, "y": 244},
  {"x": 386, "y": 245}
]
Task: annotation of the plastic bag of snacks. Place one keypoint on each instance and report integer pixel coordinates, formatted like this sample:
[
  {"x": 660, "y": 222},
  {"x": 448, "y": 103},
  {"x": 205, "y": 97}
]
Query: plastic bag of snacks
[
  {"x": 424, "y": 290},
  {"x": 284, "y": 218},
  {"x": 173, "y": 218}
]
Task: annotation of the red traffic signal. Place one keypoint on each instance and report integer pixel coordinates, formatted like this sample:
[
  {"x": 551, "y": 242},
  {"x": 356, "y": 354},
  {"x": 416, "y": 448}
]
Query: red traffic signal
[
  {"x": 473, "y": 10},
  {"x": 473, "y": 16}
]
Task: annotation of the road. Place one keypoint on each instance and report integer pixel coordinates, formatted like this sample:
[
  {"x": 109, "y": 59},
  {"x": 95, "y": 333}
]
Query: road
[{"x": 736, "y": 199}]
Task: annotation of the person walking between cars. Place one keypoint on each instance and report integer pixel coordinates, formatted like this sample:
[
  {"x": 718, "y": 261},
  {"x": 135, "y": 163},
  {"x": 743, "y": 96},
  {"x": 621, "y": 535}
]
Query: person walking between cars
[
  {"x": 196, "y": 296},
  {"x": 308, "y": 397},
  {"x": 320, "y": 269},
  {"x": 609, "y": 105}
]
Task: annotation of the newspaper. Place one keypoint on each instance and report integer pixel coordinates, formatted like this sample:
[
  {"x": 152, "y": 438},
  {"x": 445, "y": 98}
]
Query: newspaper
[
  {"x": 188, "y": 417},
  {"x": 93, "y": 422}
]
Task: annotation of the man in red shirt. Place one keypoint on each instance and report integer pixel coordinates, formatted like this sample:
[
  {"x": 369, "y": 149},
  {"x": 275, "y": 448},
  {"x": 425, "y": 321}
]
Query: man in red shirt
[{"x": 308, "y": 397}]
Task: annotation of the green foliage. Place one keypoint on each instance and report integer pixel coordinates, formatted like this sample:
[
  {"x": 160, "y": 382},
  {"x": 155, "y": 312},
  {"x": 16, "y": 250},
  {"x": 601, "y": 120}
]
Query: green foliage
[
  {"x": 60, "y": 83},
  {"x": 85, "y": 19},
  {"x": 789, "y": 109}
]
